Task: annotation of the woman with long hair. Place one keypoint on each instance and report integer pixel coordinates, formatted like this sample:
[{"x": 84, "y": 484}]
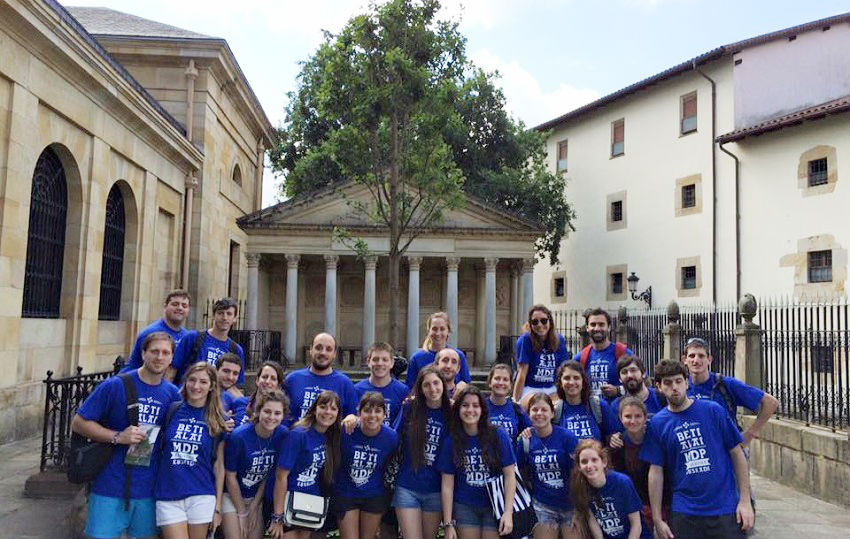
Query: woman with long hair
[
  {"x": 626, "y": 458},
  {"x": 438, "y": 326},
  {"x": 539, "y": 353},
  {"x": 579, "y": 411},
  {"x": 250, "y": 454},
  {"x": 359, "y": 496},
  {"x": 269, "y": 376},
  {"x": 422, "y": 426},
  {"x": 504, "y": 412},
  {"x": 190, "y": 479},
  {"x": 308, "y": 461},
  {"x": 475, "y": 451},
  {"x": 548, "y": 454},
  {"x": 606, "y": 503}
]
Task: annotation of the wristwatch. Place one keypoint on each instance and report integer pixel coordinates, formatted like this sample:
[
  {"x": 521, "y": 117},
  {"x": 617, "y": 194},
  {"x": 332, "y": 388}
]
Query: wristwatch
[{"x": 449, "y": 524}]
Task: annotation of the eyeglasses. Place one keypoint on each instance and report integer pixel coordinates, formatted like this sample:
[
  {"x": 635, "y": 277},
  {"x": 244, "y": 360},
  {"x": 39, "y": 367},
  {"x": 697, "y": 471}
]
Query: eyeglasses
[{"x": 535, "y": 321}]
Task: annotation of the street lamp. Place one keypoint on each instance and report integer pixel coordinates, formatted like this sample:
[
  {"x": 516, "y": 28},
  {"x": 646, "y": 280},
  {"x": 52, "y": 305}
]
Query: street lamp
[{"x": 646, "y": 295}]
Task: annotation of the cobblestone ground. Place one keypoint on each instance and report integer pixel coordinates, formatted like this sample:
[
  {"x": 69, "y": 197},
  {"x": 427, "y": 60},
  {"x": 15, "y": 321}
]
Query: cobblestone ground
[{"x": 782, "y": 512}]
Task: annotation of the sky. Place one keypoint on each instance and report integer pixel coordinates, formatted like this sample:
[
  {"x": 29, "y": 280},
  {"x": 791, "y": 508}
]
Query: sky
[{"x": 552, "y": 55}]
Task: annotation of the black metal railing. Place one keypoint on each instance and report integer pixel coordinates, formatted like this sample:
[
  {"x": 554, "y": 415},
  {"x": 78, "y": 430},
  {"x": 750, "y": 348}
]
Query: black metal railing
[
  {"x": 260, "y": 345},
  {"x": 63, "y": 397},
  {"x": 206, "y": 319},
  {"x": 716, "y": 325},
  {"x": 646, "y": 334},
  {"x": 806, "y": 359}
]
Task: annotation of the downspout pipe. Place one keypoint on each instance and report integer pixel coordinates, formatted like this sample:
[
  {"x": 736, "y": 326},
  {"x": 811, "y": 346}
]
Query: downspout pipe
[
  {"x": 191, "y": 182},
  {"x": 737, "y": 220},
  {"x": 713, "y": 181}
]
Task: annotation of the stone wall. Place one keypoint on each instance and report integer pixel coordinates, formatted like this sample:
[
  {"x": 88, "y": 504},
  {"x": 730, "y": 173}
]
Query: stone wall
[{"x": 813, "y": 460}]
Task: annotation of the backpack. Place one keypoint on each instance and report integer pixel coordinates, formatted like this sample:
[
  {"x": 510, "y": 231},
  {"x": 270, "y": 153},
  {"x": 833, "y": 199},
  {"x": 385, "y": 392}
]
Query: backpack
[
  {"x": 619, "y": 351},
  {"x": 169, "y": 415},
  {"x": 87, "y": 458},
  {"x": 720, "y": 387},
  {"x": 593, "y": 404}
]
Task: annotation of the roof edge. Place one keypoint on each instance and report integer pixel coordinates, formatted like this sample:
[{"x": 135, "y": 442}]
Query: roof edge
[{"x": 817, "y": 112}]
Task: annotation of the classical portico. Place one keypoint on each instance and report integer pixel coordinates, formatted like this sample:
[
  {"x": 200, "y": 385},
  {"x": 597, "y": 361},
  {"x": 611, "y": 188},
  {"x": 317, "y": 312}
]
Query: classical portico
[{"x": 477, "y": 266}]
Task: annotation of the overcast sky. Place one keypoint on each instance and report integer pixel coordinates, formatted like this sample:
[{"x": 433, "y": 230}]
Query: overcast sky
[{"x": 553, "y": 55}]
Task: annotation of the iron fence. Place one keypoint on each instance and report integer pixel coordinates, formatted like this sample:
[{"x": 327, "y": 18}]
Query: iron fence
[
  {"x": 259, "y": 345},
  {"x": 716, "y": 325},
  {"x": 806, "y": 358},
  {"x": 645, "y": 335},
  {"x": 208, "y": 314},
  {"x": 63, "y": 396}
]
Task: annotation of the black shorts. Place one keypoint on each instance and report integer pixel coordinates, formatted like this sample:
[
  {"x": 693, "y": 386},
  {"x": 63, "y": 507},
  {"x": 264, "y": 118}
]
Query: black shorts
[
  {"x": 377, "y": 505},
  {"x": 694, "y": 527}
]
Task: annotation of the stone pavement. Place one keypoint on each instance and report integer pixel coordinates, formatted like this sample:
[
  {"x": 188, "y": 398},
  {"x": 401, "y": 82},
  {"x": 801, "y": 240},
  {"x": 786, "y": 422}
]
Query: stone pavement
[{"x": 782, "y": 512}]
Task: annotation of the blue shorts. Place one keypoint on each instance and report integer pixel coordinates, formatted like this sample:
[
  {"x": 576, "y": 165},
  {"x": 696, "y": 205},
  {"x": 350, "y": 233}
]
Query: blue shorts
[
  {"x": 474, "y": 516},
  {"x": 548, "y": 515},
  {"x": 428, "y": 502},
  {"x": 108, "y": 518}
]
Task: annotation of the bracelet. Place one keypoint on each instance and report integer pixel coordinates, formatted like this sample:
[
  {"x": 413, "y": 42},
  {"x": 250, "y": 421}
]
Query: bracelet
[
  {"x": 115, "y": 437},
  {"x": 277, "y": 518},
  {"x": 449, "y": 524}
]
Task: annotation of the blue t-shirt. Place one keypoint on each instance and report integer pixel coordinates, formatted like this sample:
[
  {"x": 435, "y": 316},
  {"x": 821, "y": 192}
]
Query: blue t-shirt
[
  {"x": 579, "y": 419},
  {"x": 211, "y": 350},
  {"x": 616, "y": 500},
  {"x": 550, "y": 461},
  {"x": 506, "y": 416},
  {"x": 394, "y": 394},
  {"x": 742, "y": 394},
  {"x": 425, "y": 357},
  {"x": 303, "y": 454},
  {"x": 542, "y": 365},
  {"x": 471, "y": 478},
  {"x": 135, "y": 360},
  {"x": 226, "y": 400},
  {"x": 108, "y": 404},
  {"x": 239, "y": 407},
  {"x": 652, "y": 408},
  {"x": 364, "y": 460},
  {"x": 602, "y": 367},
  {"x": 252, "y": 457},
  {"x": 186, "y": 463},
  {"x": 694, "y": 445},
  {"x": 426, "y": 478},
  {"x": 303, "y": 387}
]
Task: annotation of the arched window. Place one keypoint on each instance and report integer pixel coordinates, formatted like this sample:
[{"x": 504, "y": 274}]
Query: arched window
[
  {"x": 113, "y": 256},
  {"x": 45, "y": 238},
  {"x": 237, "y": 175}
]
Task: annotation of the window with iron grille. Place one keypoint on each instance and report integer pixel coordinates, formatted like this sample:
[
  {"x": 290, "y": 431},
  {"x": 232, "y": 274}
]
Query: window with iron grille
[
  {"x": 562, "y": 156},
  {"x": 618, "y": 133},
  {"x": 112, "y": 269},
  {"x": 617, "y": 211},
  {"x": 559, "y": 287},
  {"x": 688, "y": 120},
  {"x": 45, "y": 238},
  {"x": 820, "y": 266},
  {"x": 689, "y": 195},
  {"x": 233, "y": 270},
  {"x": 616, "y": 283},
  {"x": 817, "y": 172},
  {"x": 689, "y": 277}
]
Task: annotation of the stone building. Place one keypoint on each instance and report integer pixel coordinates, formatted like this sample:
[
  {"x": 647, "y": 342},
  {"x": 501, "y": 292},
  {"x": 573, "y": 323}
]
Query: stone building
[
  {"x": 128, "y": 149},
  {"x": 721, "y": 175}
]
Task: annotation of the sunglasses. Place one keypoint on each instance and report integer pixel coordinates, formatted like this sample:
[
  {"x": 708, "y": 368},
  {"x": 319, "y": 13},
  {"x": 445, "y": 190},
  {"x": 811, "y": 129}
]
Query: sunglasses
[{"x": 535, "y": 321}]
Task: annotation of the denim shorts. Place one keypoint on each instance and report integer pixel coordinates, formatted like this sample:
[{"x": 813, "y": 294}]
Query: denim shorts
[
  {"x": 552, "y": 516},
  {"x": 428, "y": 502},
  {"x": 474, "y": 516},
  {"x": 107, "y": 517}
]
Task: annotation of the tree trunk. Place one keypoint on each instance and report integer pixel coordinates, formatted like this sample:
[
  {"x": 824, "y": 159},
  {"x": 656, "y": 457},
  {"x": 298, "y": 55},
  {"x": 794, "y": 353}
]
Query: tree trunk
[
  {"x": 395, "y": 237},
  {"x": 395, "y": 302}
]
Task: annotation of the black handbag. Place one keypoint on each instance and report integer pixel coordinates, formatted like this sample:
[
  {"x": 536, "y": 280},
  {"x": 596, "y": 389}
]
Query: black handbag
[{"x": 524, "y": 516}]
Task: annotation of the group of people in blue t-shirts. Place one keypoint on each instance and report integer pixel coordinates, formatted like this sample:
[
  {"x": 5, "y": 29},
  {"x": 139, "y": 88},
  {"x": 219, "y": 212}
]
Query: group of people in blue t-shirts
[{"x": 604, "y": 453}]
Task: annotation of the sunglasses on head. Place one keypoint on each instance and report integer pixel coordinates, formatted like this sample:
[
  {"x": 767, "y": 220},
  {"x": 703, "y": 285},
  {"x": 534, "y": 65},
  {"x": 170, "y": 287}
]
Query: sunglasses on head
[{"x": 535, "y": 321}]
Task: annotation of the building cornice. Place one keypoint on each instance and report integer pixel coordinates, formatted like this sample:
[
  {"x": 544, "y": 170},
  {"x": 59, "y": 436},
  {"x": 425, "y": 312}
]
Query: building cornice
[{"x": 817, "y": 112}]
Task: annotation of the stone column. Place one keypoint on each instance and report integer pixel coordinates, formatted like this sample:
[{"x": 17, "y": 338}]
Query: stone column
[
  {"x": 672, "y": 333},
  {"x": 480, "y": 314},
  {"x": 490, "y": 308},
  {"x": 622, "y": 332},
  {"x": 527, "y": 285},
  {"x": 253, "y": 260},
  {"x": 413, "y": 304},
  {"x": 291, "y": 307},
  {"x": 748, "y": 358},
  {"x": 516, "y": 316},
  {"x": 452, "y": 264},
  {"x": 331, "y": 262},
  {"x": 370, "y": 264}
]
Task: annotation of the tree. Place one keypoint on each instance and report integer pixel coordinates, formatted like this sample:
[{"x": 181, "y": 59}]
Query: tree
[{"x": 392, "y": 103}]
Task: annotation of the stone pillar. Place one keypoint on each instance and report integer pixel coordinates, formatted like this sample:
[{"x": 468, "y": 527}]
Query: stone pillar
[
  {"x": 480, "y": 311},
  {"x": 516, "y": 315},
  {"x": 672, "y": 333},
  {"x": 748, "y": 357},
  {"x": 527, "y": 284},
  {"x": 413, "y": 305},
  {"x": 583, "y": 334},
  {"x": 331, "y": 262},
  {"x": 291, "y": 307},
  {"x": 371, "y": 263},
  {"x": 253, "y": 290},
  {"x": 490, "y": 307},
  {"x": 622, "y": 332},
  {"x": 452, "y": 264}
]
